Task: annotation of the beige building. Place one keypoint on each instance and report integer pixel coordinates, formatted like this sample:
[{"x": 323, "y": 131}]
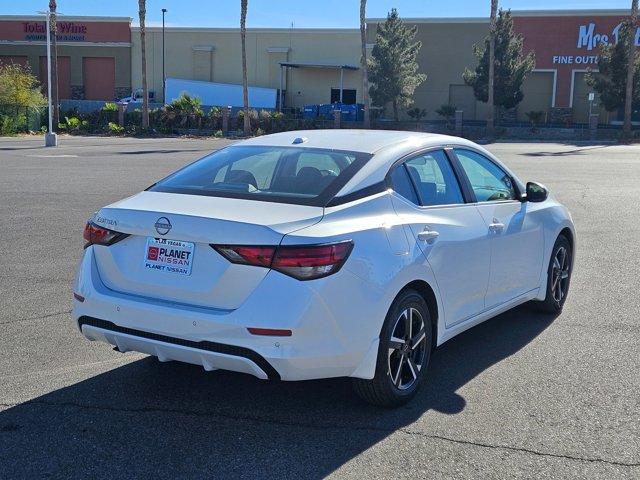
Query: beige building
[
  {"x": 566, "y": 44},
  {"x": 214, "y": 54}
]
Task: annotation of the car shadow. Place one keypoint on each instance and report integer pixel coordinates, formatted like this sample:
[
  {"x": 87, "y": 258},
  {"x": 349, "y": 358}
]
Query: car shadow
[
  {"x": 577, "y": 151},
  {"x": 158, "y": 152},
  {"x": 176, "y": 421}
]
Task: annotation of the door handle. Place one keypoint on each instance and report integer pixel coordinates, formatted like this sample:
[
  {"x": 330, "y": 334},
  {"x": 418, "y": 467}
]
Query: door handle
[
  {"x": 428, "y": 236},
  {"x": 496, "y": 226}
]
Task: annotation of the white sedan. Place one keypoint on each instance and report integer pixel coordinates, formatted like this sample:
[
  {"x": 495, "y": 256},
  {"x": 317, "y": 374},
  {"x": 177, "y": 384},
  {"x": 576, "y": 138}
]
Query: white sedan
[{"x": 319, "y": 254}]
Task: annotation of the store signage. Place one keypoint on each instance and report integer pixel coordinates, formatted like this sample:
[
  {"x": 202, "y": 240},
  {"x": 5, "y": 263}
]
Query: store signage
[
  {"x": 67, "y": 31},
  {"x": 590, "y": 39}
]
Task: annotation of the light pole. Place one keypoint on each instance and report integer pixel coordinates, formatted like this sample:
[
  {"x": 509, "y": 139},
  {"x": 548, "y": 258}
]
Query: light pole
[
  {"x": 164, "y": 78},
  {"x": 50, "y": 138}
]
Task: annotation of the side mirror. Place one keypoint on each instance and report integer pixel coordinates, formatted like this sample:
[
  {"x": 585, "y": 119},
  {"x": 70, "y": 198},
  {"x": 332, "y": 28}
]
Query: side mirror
[{"x": 536, "y": 192}]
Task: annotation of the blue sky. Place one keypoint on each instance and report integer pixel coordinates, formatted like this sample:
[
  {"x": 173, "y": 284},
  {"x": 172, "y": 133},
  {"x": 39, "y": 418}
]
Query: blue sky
[{"x": 281, "y": 13}]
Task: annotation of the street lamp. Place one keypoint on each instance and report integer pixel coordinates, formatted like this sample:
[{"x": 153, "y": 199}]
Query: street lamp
[
  {"x": 164, "y": 78},
  {"x": 50, "y": 138}
]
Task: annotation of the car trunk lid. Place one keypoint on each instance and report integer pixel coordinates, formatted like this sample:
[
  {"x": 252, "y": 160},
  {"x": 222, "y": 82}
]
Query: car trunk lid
[{"x": 168, "y": 256}]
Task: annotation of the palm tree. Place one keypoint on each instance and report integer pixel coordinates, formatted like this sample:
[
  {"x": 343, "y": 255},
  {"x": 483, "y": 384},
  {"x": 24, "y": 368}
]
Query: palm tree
[
  {"x": 631, "y": 67},
  {"x": 55, "y": 104},
  {"x": 245, "y": 82},
  {"x": 363, "y": 61},
  {"x": 492, "y": 59},
  {"x": 142, "y": 11}
]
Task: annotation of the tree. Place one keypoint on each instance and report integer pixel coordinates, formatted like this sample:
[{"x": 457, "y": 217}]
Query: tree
[
  {"x": 417, "y": 114},
  {"x": 631, "y": 48},
  {"x": 142, "y": 11},
  {"x": 19, "y": 91},
  {"x": 19, "y": 87},
  {"x": 511, "y": 67},
  {"x": 55, "y": 101},
  {"x": 245, "y": 81},
  {"x": 492, "y": 65},
  {"x": 613, "y": 65},
  {"x": 394, "y": 65},
  {"x": 448, "y": 112},
  {"x": 363, "y": 62}
]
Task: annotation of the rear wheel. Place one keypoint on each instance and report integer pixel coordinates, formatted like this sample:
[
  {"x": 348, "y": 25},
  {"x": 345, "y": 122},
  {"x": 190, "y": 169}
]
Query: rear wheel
[
  {"x": 403, "y": 354},
  {"x": 558, "y": 276}
]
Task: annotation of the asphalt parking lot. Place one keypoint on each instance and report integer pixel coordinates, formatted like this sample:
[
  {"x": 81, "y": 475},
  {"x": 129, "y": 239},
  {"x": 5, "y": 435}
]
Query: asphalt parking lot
[{"x": 520, "y": 396}]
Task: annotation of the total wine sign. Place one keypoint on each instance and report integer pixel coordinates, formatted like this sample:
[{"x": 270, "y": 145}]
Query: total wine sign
[
  {"x": 590, "y": 39},
  {"x": 66, "y": 31}
]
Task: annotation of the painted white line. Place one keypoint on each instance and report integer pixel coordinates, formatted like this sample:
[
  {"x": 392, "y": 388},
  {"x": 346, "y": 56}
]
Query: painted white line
[{"x": 52, "y": 156}]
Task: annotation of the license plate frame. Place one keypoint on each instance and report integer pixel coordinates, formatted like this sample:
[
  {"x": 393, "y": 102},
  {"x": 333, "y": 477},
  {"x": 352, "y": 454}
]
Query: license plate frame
[{"x": 164, "y": 255}]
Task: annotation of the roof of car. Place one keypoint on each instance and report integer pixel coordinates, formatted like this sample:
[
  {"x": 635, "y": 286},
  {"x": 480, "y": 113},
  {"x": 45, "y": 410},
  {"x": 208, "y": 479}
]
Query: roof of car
[
  {"x": 387, "y": 146},
  {"x": 366, "y": 141}
]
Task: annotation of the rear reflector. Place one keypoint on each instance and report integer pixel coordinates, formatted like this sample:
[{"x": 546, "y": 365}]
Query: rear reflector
[
  {"x": 270, "y": 332},
  {"x": 303, "y": 262},
  {"x": 96, "y": 235}
]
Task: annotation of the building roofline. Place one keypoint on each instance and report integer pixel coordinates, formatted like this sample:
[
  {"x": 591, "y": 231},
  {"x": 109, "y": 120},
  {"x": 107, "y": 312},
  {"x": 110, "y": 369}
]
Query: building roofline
[
  {"x": 65, "y": 18},
  {"x": 515, "y": 13},
  {"x": 296, "y": 30}
]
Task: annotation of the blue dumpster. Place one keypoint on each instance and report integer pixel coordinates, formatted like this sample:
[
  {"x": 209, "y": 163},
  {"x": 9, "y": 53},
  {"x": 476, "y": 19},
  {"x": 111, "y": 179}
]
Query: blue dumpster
[
  {"x": 352, "y": 113},
  {"x": 326, "y": 110},
  {"x": 310, "y": 112}
]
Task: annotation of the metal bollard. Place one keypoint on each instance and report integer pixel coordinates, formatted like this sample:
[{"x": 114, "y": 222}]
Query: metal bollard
[
  {"x": 226, "y": 113},
  {"x": 458, "y": 119},
  {"x": 593, "y": 125},
  {"x": 122, "y": 108},
  {"x": 337, "y": 118}
]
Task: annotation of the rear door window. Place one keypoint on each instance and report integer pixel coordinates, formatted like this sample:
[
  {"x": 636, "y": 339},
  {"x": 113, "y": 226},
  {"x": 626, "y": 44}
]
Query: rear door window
[{"x": 434, "y": 179}]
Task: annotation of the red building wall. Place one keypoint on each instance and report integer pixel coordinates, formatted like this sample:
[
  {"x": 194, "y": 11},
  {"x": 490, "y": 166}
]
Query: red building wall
[{"x": 567, "y": 44}]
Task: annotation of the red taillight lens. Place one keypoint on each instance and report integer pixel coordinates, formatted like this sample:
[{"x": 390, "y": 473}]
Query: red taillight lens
[
  {"x": 245, "y": 255},
  {"x": 309, "y": 262},
  {"x": 97, "y": 235},
  {"x": 304, "y": 262}
]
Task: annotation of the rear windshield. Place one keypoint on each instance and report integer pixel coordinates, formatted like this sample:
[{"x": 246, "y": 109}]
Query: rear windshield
[{"x": 307, "y": 176}]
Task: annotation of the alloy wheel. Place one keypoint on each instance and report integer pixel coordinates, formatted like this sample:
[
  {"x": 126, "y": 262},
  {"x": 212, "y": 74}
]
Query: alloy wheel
[
  {"x": 407, "y": 349},
  {"x": 560, "y": 274}
]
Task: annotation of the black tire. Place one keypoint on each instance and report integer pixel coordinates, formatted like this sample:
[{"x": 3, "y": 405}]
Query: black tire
[
  {"x": 554, "y": 301},
  {"x": 392, "y": 389}
]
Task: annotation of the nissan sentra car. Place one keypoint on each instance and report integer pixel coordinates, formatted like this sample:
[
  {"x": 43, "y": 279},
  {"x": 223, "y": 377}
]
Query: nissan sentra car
[{"x": 317, "y": 254}]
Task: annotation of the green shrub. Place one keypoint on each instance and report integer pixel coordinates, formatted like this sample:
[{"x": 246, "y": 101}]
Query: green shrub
[
  {"x": 114, "y": 128},
  {"x": 259, "y": 132},
  {"x": 253, "y": 119},
  {"x": 12, "y": 124},
  {"x": 447, "y": 111},
  {"x": 218, "y": 134},
  {"x": 110, "y": 107},
  {"x": 417, "y": 113},
  {"x": 72, "y": 124},
  {"x": 19, "y": 87},
  {"x": 535, "y": 117}
]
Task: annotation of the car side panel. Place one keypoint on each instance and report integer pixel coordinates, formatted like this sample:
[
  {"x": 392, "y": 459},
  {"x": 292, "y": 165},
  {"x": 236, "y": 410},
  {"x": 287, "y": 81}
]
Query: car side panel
[{"x": 382, "y": 258}]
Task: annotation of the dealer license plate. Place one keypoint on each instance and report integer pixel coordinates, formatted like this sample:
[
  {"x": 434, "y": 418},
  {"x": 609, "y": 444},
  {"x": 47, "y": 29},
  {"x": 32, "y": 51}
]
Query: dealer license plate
[{"x": 169, "y": 256}]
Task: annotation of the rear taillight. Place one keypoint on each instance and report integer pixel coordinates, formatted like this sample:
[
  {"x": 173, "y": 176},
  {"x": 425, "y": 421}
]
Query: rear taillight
[
  {"x": 304, "y": 262},
  {"x": 97, "y": 235}
]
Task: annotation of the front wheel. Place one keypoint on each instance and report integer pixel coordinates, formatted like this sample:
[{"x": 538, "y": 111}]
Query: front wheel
[
  {"x": 558, "y": 277},
  {"x": 403, "y": 354}
]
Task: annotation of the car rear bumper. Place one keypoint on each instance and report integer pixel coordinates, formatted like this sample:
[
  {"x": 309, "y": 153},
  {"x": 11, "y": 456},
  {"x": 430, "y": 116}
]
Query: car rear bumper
[
  {"x": 327, "y": 338},
  {"x": 210, "y": 355}
]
